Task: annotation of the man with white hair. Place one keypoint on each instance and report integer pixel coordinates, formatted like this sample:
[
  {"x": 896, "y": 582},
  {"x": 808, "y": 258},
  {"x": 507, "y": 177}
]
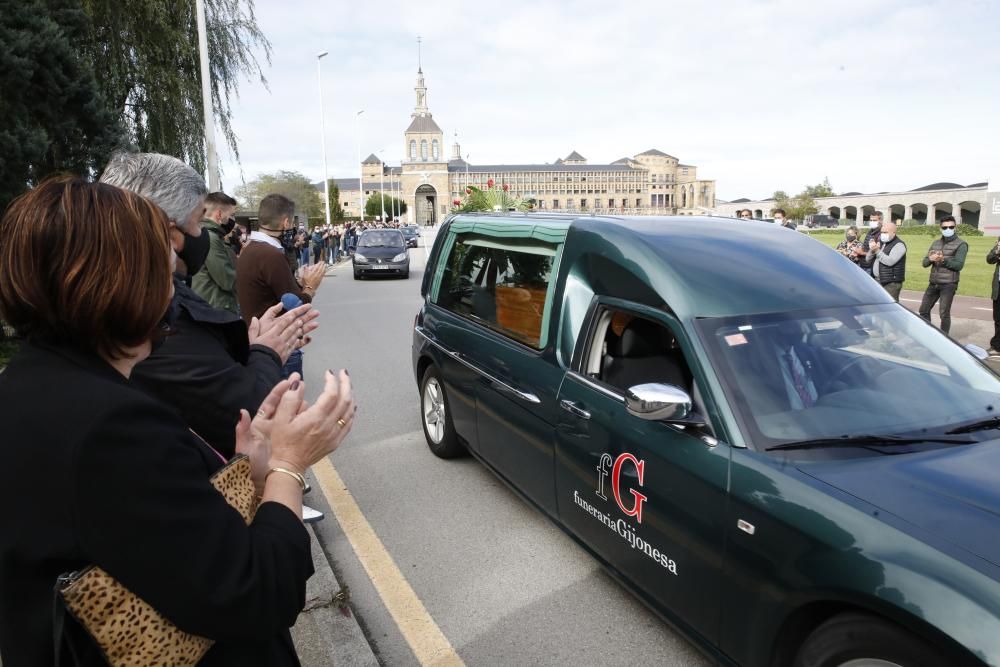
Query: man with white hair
[
  {"x": 887, "y": 257},
  {"x": 210, "y": 367}
]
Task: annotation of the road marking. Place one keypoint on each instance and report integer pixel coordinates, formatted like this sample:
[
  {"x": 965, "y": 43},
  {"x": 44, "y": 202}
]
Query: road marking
[
  {"x": 423, "y": 635},
  {"x": 988, "y": 310},
  {"x": 911, "y": 300}
]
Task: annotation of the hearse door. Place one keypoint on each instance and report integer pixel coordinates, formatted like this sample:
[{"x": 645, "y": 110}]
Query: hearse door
[{"x": 649, "y": 497}]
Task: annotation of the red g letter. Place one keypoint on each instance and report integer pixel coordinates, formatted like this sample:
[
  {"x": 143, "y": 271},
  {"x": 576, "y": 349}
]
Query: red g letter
[{"x": 616, "y": 473}]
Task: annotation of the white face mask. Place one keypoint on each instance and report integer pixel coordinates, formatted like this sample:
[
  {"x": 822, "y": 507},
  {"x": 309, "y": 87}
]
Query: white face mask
[
  {"x": 873, "y": 223},
  {"x": 885, "y": 238},
  {"x": 779, "y": 220},
  {"x": 947, "y": 233}
]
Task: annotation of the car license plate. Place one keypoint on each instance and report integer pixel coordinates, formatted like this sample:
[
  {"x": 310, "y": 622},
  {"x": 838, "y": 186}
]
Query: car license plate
[{"x": 381, "y": 266}]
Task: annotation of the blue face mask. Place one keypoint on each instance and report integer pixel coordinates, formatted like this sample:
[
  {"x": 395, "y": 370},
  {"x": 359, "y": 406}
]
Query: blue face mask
[{"x": 947, "y": 233}]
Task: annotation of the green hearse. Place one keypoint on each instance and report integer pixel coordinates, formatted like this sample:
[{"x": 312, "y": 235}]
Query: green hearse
[{"x": 740, "y": 424}]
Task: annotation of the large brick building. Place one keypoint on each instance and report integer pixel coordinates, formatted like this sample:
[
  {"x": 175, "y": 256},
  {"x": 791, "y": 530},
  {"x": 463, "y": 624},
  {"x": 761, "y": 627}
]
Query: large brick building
[{"x": 428, "y": 180}]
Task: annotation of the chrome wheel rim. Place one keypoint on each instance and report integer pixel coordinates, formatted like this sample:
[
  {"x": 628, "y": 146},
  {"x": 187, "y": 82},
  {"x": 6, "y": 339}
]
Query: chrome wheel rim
[
  {"x": 434, "y": 411},
  {"x": 869, "y": 662}
]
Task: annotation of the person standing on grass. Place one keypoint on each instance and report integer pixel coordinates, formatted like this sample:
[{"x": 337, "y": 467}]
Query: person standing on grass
[
  {"x": 946, "y": 258},
  {"x": 993, "y": 257},
  {"x": 887, "y": 257}
]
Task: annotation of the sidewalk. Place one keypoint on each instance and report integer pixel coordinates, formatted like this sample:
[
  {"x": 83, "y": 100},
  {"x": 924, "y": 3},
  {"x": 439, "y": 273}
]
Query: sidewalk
[{"x": 326, "y": 632}]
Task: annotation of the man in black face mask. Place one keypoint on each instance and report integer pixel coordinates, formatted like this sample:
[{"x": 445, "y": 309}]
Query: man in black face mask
[
  {"x": 216, "y": 282},
  {"x": 211, "y": 365}
]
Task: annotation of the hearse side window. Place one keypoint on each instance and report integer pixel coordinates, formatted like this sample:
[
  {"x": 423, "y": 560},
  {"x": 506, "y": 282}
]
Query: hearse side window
[{"x": 501, "y": 284}]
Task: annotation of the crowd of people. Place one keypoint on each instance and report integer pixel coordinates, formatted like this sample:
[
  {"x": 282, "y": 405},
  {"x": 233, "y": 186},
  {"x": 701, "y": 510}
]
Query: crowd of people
[{"x": 151, "y": 356}]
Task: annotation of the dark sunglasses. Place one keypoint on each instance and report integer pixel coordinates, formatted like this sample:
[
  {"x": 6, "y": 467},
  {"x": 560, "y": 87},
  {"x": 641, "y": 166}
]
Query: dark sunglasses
[{"x": 947, "y": 226}]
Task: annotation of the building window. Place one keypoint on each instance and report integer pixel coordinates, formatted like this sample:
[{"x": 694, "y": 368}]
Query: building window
[
  {"x": 583, "y": 203},
  {"x": 638, "y": 203},
  {"x": 555, "y": 203},
  {"x": 435, "y": 150},
  {"x": 611, "y": 203},
  {"x": 423, "y": 150},
  {"x": 413, "y": 149}
]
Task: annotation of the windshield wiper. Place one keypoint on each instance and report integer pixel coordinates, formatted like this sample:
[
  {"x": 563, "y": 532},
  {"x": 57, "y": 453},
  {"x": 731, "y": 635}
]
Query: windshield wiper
[
  {"x": 867, "y": 440},
  {"x": 978, "y": 425}
]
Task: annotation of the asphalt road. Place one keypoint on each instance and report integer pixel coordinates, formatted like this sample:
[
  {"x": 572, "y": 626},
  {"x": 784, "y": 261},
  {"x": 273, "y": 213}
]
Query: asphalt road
[
  {"x": 969, "y": 307},
  {"x": 502, "y": 583}
]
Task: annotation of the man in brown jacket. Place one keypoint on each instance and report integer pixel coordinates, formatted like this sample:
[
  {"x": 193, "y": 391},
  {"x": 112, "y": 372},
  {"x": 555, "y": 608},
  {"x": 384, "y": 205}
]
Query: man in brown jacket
[{"x": 263, "y": 274}]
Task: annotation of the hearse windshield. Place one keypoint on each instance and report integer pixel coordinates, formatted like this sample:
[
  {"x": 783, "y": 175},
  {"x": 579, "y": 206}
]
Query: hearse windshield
[{"x": 850, "y": 378}]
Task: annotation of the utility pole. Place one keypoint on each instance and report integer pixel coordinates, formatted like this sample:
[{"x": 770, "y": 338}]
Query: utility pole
[
  {"x": 322, "y": 123},
  {"x": 206, "y": 100}
]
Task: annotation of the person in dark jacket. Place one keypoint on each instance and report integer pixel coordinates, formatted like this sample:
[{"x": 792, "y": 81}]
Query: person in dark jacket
[
  {"x": 993, "y": 257},
  {"x": 871, "y": 238},
  {"x": 887, "y": 257},
  {"x": 946, "y": 257},
  {"x": 85, "y": 279},
  {"x": 211, "y": 366}
]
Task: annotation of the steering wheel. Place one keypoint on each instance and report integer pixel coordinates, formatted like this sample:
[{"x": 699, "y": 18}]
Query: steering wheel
[{"x": 843, "y": 371}]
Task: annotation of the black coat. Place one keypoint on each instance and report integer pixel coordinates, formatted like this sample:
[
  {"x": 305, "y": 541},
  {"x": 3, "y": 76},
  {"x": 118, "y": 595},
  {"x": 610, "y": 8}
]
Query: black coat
[
  {"x": 96, "y": 471},
  {"x": 207, "y": 370}
]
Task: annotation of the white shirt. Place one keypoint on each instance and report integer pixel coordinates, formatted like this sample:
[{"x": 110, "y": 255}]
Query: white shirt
[{"x": 264, "y": 238}]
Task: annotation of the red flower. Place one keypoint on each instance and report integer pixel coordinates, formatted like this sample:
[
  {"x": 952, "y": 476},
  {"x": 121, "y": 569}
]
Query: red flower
[
  {"x": 468, "y": 191},
  {"x": 489, "y": 183},
  {"x": 457, "y": 202},
  {"x": 506, "y": 187}
]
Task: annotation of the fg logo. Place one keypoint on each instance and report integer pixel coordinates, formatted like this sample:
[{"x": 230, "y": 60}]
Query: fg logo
[{"x": 605, "y": 466}]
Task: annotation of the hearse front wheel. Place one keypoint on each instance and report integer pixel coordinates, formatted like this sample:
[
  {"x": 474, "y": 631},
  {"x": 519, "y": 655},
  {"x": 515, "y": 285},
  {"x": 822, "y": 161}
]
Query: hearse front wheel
[
  {"x": 862, "y": 640},
  {"x": 435, "y": 415}
]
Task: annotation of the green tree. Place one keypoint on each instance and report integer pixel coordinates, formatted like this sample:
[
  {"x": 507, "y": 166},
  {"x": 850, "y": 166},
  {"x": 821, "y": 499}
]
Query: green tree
[
  {"x": 373, "y": 208},
  {"x": 146, "y": 60},
  {"x": 292, "y": 184},
  {"x": 53, "y": 117},
  {"x": 336, "y": 210},
  {"x": 821, "y": 190}
]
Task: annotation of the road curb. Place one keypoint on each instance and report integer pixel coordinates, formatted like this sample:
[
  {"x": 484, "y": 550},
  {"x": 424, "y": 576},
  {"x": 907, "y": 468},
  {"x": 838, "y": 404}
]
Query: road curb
[{"x": 326, "y": 632}]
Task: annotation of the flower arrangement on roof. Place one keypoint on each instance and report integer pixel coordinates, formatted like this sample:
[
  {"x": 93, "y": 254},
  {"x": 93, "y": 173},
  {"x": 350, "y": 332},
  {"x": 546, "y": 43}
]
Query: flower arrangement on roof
[{"x": 490, "y": 199}]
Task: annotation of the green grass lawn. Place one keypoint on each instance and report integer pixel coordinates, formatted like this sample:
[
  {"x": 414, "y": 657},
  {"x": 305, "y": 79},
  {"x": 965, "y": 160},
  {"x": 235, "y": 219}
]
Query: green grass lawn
[
  {"x": 976, "y": 276},
  {"x": 7, "y": 350}
]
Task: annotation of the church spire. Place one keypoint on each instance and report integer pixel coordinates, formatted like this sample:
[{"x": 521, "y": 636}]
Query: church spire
[{"x": 421, "y": 89}]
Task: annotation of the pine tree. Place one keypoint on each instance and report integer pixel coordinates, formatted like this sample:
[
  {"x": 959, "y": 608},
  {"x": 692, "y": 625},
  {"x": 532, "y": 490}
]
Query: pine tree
[{"x": 53, "y": 117}]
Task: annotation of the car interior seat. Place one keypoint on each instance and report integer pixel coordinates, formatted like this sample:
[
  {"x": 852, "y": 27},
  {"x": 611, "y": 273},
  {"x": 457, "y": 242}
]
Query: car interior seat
[{"x": 645, "y": 352}]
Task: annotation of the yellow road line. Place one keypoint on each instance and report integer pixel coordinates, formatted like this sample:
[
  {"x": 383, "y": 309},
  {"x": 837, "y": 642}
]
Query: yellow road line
[{"x": 423, "y": 635}]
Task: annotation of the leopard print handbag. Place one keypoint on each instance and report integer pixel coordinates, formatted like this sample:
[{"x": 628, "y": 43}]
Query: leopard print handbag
[{"x": 128, "y": 631}]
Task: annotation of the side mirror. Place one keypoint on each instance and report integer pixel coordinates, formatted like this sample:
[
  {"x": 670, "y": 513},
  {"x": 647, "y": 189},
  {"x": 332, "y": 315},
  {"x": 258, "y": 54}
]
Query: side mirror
[
  {"x": 977, "y": 352},
  {"x": 658, "y": 402}
]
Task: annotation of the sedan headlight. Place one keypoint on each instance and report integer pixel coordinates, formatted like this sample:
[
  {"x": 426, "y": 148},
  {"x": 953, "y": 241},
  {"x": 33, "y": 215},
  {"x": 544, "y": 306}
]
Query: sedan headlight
[
  {"x": 360, "y": 259},
  {"x": 400, "y": 257}
]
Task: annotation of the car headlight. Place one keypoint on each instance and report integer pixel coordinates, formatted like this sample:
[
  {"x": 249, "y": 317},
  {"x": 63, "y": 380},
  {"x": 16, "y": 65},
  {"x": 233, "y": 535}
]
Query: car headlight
[
  {"x": 400, "y": 257},
  {"x": 360, "y": 259}
]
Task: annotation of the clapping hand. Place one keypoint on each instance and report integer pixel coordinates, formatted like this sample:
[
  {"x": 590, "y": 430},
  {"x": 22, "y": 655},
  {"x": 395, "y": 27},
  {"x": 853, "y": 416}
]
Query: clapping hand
[{"x": 284, "y": 333}]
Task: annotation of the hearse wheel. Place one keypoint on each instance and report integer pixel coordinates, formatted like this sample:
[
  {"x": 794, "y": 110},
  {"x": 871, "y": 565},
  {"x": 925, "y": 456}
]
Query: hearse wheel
[
  {"x": 862, "y": 640},
  {"x": 435, "y": 416}
]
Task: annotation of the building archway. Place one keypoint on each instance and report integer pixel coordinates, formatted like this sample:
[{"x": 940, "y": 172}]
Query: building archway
[
  {"x": 919, "y": 213},
  {"x": 425, "y": 205},
  {"x": 834, "y": 212},
  {"x": 851, "y": 213},
  {"x": 758, "y": 214},
  {"x": 896, "y": 213},
  {"x": 865, "y": 212},
  {"x": 941, "y": 209},
  {"x": 970, "y": 212}
]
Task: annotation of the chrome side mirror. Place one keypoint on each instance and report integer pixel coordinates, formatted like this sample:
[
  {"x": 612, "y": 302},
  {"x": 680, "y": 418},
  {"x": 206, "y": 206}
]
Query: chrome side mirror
[
  {"x": 658, "y": 402},
  {"x": 977, "y": 352}
]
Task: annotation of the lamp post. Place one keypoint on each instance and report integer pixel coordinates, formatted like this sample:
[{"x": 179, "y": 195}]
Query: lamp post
[
  {"x": 361, "y": 171},
  {"x": 206, "y": 100},
  {"x": 322, "y": 122},
  {"x": 381, "y": 181}
]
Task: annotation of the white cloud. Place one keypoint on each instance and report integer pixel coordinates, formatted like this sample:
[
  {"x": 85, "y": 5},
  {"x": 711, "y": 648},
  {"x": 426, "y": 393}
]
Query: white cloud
[{"x": 876, "y": 94}]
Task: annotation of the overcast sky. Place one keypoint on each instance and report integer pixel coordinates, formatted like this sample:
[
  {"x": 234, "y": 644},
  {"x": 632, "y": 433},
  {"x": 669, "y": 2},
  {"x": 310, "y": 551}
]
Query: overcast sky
[{"x": 877, "y": 95}]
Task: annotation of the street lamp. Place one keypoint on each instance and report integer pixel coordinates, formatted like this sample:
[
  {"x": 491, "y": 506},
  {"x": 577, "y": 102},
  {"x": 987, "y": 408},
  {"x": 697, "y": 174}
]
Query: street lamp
[
  {"x": 206, "y": 100},
  {"x": 322, "y": 122},
  {"x": 361, "y": 170},
  {"x": 381, "y": 181}
]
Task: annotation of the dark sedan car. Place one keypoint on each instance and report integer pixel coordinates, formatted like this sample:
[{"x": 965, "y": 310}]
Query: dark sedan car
[
  {"x": 381, "y": 252},
  {"x": 747, "y": 430},
  {"x": 411, "y": 235}
]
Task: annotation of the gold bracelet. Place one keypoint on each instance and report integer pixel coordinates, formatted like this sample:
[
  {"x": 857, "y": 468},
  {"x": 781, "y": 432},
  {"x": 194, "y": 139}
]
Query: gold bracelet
[{"x": 291, "y": 473}]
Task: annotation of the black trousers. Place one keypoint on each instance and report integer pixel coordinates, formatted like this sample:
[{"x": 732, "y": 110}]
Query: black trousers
[
  {"x": 995, "y": 341},
  {"x": 946, "y": 293}
]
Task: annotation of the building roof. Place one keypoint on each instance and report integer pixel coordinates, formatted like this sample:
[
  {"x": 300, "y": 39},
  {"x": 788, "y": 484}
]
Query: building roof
[
  {"x": 939, "y": 186},
  {"x": 562, "y": 167},
  {"x": 624, "y": 160},
  {"x": 372, "y": 159},
  {"x": 423, "y": 124},
  {"x": 575, "y": 157},
  {"x": 656, "y": 153}
]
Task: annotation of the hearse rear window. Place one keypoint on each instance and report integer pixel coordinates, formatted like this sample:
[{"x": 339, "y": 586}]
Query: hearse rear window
[{"x": 502, "y": 284}]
